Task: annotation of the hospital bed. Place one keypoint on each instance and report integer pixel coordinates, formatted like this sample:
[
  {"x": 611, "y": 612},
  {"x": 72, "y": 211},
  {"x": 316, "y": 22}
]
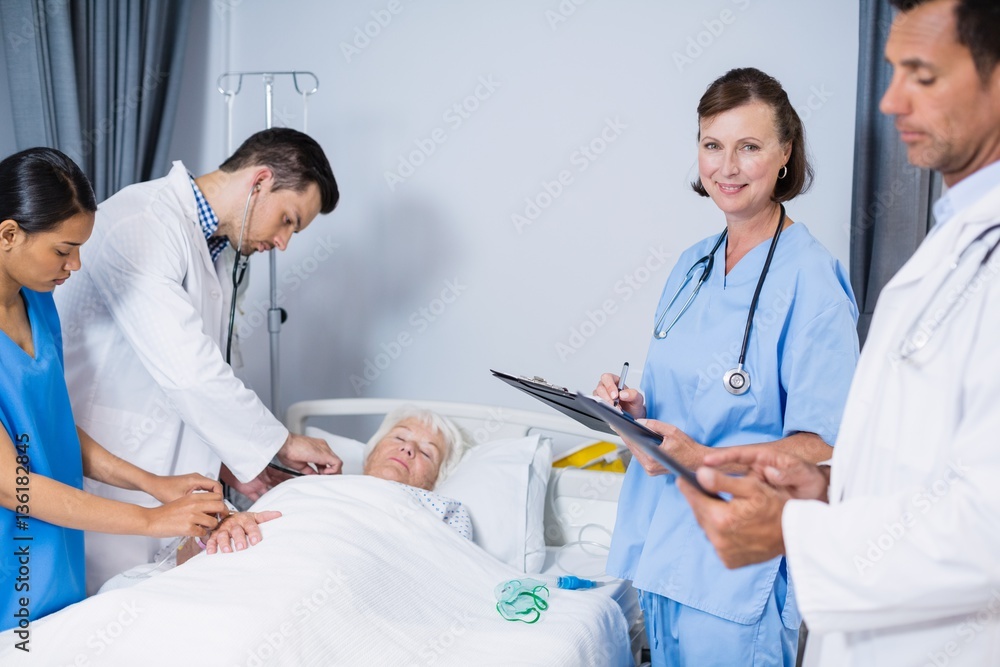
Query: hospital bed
[
  {"x": 351, "y": 574},
  {"x": 579, "y": 506}
]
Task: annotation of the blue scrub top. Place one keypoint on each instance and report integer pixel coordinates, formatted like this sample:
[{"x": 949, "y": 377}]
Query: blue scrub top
[
  {"x": 801, "y": 356},
  {"x": 35, "y": 408}
]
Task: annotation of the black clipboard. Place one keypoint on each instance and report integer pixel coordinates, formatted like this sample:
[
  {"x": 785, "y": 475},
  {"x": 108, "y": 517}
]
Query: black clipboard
[
  {"x": 600, "y": 416},
  {"x": 560, "y": 398}
]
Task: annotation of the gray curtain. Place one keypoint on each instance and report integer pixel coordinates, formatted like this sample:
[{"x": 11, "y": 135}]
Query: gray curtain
[
  {"x": 99, "y": 80},
  {"x": 38, "y": 45},
  {"x": 891, "y": 211}
]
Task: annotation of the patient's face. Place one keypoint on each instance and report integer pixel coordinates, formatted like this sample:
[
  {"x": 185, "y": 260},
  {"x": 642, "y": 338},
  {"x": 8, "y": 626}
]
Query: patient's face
[{"x": 411, "y": 453}]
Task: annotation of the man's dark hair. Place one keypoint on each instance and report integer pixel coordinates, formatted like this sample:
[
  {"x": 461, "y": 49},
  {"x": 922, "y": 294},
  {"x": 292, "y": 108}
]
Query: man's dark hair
[
  {"x": 40, "y": 188},
  {"x": 978, "y": 30},
  {"x": 295, "y": 158}
]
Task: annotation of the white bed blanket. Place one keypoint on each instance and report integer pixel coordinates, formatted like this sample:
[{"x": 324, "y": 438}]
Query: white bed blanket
[{"x": 355, "y": 572}]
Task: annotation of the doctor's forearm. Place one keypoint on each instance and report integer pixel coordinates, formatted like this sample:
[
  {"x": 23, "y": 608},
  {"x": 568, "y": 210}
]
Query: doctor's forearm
[{"x": 807, "y": 446}]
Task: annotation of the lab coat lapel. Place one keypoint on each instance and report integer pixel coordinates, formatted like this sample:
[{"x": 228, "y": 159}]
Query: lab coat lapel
[
  {"x": 202, "y": 279},
  {"x": 953, "y": 235}
]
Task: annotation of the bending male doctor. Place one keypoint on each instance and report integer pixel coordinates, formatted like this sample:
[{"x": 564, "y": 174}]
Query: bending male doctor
[
  {"x": 145, "y": 325},
  {"x": 897, "y": 562}
]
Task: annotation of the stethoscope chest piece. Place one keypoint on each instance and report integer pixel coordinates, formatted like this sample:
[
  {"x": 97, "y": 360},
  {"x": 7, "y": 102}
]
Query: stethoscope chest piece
[{"x": 736, "y": 381}]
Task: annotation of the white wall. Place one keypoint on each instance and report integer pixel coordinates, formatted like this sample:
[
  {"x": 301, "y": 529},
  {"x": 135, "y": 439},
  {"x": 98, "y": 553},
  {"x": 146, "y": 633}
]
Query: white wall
[{"x": 356, "y": 280}]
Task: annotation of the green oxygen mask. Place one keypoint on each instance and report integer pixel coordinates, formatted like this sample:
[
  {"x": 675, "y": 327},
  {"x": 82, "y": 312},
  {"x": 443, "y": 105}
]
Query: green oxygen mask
[{"x": 522, "y": 599}]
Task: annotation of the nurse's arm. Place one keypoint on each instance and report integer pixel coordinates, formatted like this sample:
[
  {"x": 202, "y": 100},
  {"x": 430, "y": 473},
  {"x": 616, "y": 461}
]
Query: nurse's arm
[
  {"x": 691, "y": 454},
  {"x": 36, "y": 497},
  {"x": 101, "y": 465}
]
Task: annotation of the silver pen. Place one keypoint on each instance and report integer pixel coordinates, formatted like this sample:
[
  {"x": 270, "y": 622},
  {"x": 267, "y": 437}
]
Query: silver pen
[{"x": 621, "y": 381}]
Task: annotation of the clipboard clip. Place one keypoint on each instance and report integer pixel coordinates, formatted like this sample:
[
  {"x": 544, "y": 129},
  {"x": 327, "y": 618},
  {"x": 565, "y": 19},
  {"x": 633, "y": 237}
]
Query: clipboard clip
[{"x": 542, "y": 381}]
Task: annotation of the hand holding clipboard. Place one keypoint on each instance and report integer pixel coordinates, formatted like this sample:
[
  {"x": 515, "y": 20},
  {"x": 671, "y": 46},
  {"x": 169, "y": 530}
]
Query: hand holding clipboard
[
  {"x": 646, "y": 439},
  {"x": 593, "y": 413}
]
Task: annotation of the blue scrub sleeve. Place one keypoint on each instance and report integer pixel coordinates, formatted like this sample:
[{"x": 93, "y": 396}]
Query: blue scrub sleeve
[{"x": 816, "y": 371}]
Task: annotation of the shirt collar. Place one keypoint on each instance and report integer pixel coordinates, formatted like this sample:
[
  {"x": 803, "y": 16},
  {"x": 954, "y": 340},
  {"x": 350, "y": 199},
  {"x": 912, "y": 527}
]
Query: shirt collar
[
  {"x": 209, "y": 222},
  {"x": 966, "y": 192}
]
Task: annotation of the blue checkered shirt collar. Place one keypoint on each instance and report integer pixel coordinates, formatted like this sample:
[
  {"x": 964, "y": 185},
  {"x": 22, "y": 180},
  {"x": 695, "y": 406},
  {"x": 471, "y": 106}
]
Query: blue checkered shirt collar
[{"x": 209, "y": 222}]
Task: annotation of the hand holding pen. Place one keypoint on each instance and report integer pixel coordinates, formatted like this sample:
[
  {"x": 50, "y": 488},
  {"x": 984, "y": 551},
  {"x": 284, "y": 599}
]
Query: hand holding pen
[
  {"x": 621, "y": 382},
  {"x": 612, "y": 389}
]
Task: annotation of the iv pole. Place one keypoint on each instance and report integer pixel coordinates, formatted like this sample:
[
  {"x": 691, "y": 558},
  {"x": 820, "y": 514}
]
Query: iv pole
[{"x": 275, "y": 314}]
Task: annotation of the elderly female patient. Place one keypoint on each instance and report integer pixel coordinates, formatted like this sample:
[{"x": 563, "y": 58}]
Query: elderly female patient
[{"x": 414, "y": 447}]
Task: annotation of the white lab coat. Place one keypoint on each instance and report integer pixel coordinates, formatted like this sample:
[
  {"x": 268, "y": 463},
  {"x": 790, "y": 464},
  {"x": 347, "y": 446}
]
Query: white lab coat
[
  {"x": 144, "y": 325},
  {"x": 903, "y": 567}
]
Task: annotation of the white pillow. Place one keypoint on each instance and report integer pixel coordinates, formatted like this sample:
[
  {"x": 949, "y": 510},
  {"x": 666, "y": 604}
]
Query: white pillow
[
  {"x": 351, "y": 452},
  {"x": 534, "y": 542},
  {"x": 502, "y": 483}
]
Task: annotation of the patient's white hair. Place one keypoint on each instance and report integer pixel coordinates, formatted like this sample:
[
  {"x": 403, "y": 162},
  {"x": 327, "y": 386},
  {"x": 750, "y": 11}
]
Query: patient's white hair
[{"x": 455, "y": 437}]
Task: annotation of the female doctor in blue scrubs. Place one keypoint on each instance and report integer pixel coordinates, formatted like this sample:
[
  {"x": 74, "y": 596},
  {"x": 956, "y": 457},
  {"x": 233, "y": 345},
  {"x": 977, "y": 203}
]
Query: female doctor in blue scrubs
[
  {"x": 46, "y": 213},
  {"x": 712, "y": 380}
]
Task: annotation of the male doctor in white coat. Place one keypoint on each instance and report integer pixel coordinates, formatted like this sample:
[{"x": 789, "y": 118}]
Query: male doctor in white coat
[
  {"x": 145, "y": 325},
  {"x": 895, "y": 551}
]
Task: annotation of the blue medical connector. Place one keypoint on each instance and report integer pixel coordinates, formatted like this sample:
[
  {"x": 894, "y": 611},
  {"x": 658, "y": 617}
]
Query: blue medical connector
[{"x": 572, "y": 583}]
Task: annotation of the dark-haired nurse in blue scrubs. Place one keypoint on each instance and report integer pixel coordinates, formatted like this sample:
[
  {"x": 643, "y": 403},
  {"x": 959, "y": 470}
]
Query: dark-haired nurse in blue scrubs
[{"x": 46, "y": 213}]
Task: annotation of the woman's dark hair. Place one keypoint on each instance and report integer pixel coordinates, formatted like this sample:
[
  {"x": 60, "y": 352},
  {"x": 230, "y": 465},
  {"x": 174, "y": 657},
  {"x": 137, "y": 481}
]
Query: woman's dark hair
[
  {"x": 738, "y": 87},
  {"x": 295, "y": 158},
  {"x": 978, "y": 26},
  {"x": 41, "y": 187}
]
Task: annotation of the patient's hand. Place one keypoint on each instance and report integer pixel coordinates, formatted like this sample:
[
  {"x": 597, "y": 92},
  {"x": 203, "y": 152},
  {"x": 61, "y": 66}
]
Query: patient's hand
[{"x": 238, "y": 531}]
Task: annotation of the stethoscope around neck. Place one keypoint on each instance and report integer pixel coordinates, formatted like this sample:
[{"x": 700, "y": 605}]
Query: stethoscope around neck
[
  {"x": 239, "y": 270},
  {"x": 737, "y": 380},
  {"x": 930, "y": 319}
]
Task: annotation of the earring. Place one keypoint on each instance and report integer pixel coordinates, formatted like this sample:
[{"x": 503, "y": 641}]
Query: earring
[{"x": 783, "y": 171}]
